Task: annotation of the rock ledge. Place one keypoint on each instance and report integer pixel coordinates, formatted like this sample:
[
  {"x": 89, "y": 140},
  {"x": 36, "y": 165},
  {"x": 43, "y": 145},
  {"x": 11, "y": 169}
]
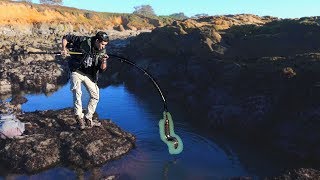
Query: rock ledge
[{"x": 53, "y": 137}]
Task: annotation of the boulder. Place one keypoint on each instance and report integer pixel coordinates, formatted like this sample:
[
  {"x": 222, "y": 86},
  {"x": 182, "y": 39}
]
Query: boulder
[{"x": 53, "y": 137}]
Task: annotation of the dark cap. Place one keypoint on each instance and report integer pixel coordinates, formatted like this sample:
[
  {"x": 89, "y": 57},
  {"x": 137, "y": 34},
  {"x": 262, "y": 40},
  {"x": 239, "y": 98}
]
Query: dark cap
[{"x": 102, "y": 36}]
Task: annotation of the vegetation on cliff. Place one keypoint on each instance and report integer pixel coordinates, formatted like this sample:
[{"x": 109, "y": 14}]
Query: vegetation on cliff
[{"x": 23, "y": 13}]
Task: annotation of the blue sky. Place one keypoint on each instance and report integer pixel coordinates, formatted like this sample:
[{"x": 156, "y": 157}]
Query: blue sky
[{"x": 278, "y": 8}]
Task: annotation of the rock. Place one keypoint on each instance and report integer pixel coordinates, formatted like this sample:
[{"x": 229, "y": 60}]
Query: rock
[
  {"x": 31, "y": 153},
  {"x": 32, "y": 49},
  {"x": 8, "y": 108},
  {"x": 301, "y": 174},
  {"x": 52, "y": 137},
  {"x": 255, "y": 112},
  {"x": 33, "y": 75},
  {"x": 119, "y": 28},
  {"x": 224, "y": 116},
  {"x": 132, "y": 28},
  {"x": 50, "y": 87},
  {"x": 5, "y": 86},
  {"x": 18, "y": 100},
  {"x": 42, "y": 73}
]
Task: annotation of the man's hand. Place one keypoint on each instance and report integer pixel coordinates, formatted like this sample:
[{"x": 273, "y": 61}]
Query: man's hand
[
  {"x": 64, "y": 50},
  {"x": 104, "y": 62},
  {"x": 64, "y": 53},
  {"x": 105, "y": 57}
]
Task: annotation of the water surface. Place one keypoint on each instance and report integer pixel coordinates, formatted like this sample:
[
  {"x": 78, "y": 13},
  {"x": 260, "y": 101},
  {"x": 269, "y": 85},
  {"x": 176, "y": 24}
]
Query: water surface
[{"x": 202, "y": 157}]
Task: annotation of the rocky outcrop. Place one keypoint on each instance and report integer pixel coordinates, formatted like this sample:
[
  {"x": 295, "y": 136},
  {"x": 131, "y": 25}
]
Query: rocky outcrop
[
  {"x": 278, "y": 38},
  {"x": 41, "y": 73},
  {"x": 303, "y": 174},
  {"x": 30, "y": 73},
  {"x": 257, "y": 77},
  {"x": 14, "y": 106},
  {"x": 225, "y": 22},
  {"x": 52, "y": 138}
]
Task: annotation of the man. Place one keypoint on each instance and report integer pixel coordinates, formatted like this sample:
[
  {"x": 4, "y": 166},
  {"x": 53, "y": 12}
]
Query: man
[{"x": 84, "y": 68}]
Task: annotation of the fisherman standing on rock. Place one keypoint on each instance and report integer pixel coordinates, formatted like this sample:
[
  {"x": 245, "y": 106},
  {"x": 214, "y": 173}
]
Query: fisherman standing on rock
[{"x": 84, "y": 68}]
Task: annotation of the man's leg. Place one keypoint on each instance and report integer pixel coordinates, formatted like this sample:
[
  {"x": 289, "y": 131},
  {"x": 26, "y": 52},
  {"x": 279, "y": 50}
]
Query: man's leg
[
  {"x": 76, "y": 80},
  {"x": 94, "y": 99}
]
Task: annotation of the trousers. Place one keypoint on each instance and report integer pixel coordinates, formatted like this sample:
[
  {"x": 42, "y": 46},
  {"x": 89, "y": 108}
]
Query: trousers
[{"x": 76, "y": 80}]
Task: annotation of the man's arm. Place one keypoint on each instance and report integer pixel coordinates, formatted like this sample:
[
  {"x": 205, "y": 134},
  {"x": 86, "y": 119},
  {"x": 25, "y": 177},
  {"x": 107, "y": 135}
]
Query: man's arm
[
  {"x": 64, "y": 50},
  {"x": 75, "y": 40}
]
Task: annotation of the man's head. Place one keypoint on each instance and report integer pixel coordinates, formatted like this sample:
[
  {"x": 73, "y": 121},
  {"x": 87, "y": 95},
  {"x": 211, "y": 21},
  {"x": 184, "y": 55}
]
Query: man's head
[{"x": 101, "y": 40}]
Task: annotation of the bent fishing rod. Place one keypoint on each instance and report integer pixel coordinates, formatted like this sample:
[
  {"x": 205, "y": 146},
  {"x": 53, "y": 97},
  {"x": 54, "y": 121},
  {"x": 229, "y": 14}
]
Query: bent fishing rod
[{"x": 166, "y": 127}]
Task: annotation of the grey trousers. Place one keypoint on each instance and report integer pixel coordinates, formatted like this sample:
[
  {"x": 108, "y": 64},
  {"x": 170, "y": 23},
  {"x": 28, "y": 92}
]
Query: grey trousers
[{"x": 76, "y": 80}]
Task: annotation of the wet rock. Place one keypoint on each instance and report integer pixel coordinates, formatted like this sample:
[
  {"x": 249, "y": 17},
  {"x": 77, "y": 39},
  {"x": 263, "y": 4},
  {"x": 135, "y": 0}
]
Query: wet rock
[
  {"x": 5, "y": 85},
  {"x": 255, "y": 112},
  {"x": 18, "y": 100},
  {"x": 301, "y": 174},
  {"x": 9, "y": 108},
  {"x": 50, "y": 87},
  {"x": 31, "y": 153},
  {"x": 270, "y": 75},
  {"x": 224, "y": 116},
  {"x": 53, "y": 137},
  {"x": 299, "y": 136}
]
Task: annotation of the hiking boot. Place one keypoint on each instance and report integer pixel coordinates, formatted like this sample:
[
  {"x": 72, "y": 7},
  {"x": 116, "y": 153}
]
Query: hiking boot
[
  {"x": 80, "y": 122},
  {"x": 91, "y": 123}
]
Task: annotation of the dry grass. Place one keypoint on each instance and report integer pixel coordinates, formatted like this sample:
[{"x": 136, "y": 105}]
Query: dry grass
[{"x": 22, "y": 13}]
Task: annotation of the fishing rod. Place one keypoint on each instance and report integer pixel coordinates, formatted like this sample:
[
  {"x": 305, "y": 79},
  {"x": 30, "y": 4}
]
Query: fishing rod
[
  {"x": 122, "y": 59},
  {"x": 166, "y": 127}
]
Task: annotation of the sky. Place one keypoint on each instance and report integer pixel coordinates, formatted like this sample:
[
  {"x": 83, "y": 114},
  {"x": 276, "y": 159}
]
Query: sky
[{"x": 277, "y": 8}]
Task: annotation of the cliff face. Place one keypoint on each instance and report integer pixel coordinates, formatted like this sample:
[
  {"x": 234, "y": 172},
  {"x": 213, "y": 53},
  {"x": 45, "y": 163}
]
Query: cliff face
[
  {"x": 257, "y": 77},
  {"x": 25, "y": 18}
]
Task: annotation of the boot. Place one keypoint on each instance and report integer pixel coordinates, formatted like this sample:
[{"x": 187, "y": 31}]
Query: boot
[
  {"x": 91, "y": 123},
  {"x": 80, "y": 122}
]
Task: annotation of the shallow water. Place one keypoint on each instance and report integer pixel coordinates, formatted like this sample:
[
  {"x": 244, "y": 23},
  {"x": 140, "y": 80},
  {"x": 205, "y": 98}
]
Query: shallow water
[{"x": 203, "y": 157}]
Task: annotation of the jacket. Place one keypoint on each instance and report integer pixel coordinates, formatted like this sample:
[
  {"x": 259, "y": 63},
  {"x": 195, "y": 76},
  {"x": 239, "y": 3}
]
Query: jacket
[{"x": 87, "y": 63}]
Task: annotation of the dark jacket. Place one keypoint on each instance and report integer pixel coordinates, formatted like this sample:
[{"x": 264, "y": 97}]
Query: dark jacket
[{"x": 87, "y": 63}]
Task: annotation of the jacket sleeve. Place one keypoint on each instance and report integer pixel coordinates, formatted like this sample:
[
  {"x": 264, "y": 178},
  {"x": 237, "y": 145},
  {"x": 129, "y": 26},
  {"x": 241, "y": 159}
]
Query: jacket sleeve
[{"x": 74, "y": 40}]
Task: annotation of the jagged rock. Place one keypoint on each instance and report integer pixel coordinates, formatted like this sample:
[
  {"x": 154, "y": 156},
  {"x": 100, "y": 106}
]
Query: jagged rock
[
  {"x": 301, "y": 174},
  {"x": 8, "y": 108},
  {"x": 50, "y": 87},
  {"x": 52, "y": 137},
  {"x": 18, "y": 100},
  {"x": 5, "y": 85},
  {"x": 270, "y": 75},
  {"x": 31, "y": 153},
  {"x": 171, "y": 41}
]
